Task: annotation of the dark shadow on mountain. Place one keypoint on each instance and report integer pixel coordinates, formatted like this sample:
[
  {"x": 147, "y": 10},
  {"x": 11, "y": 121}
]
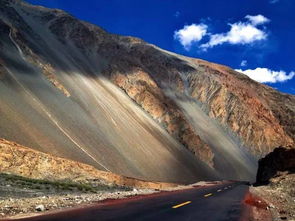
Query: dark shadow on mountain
[{"x": 272, "y": 165}]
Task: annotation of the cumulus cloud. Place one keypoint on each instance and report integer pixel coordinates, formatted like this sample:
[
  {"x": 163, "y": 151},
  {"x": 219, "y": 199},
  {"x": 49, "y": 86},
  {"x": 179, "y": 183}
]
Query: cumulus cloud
[
  {"x": 257, "y": 19},
  {"x": 243, "y": 63},
  {"x": 190, "y": 33},
  {"x": 240, "y": 33},
  {"x": 265, "y": 75}
]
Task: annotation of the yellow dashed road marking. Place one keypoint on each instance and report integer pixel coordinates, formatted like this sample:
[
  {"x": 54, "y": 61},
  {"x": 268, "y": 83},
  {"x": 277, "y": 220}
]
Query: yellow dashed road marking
[
  {"x": 209, "y": 194},
  {"x": 182, "y": 204}
]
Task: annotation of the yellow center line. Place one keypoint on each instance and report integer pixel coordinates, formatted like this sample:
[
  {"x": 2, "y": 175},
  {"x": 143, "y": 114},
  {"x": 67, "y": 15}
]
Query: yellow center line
[
  {"x": 182, "y": 204},
  {"x": 209, "y": 194}
]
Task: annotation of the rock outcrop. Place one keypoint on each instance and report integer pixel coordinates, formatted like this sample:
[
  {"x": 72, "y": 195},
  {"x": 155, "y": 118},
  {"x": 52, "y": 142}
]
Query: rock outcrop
[
  {"x": 145, "y": 92},
  {"x": 280, "y": 160},
  {"x": 22, "y": 161}
]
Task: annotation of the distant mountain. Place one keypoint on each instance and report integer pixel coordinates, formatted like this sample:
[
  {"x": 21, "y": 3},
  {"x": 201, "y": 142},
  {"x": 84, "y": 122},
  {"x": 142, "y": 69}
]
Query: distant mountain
[{"x": 71, "y": 89}]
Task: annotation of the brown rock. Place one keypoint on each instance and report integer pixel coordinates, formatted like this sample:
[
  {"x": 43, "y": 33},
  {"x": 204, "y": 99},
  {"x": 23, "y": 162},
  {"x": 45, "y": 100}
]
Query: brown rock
[{"x": 23, "y": 161}]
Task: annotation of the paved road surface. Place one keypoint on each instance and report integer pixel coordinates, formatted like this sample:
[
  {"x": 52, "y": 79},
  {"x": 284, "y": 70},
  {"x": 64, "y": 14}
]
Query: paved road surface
[{"x": 220, "y": 202}]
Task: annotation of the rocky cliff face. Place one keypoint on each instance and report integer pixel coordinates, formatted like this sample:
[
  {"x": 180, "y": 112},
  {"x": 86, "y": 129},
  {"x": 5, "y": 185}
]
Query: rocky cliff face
[
  {"x": 121, "y": 104},
  {"x": 260, "y": 115}
]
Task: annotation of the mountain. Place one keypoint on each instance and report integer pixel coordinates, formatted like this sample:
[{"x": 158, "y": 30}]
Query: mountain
[{"x": 71, "y": 89}]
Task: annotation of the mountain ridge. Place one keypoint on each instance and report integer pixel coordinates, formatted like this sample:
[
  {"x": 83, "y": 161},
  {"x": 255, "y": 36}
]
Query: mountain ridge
[{"x": 93, "y": 90}]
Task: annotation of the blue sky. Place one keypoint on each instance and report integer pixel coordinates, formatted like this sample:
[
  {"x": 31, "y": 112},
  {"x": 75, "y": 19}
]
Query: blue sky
[{"x": 254, "y": 36}]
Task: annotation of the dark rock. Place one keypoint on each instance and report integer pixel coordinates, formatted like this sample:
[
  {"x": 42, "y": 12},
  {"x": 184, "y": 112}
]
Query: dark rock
[{"x": 280, "y": 160}]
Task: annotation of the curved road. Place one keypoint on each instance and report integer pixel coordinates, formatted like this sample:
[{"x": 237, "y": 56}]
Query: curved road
[{"x": 218, "y": 202}]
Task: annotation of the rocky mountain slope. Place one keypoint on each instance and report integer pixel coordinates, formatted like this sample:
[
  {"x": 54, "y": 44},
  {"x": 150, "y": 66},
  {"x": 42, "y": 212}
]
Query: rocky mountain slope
[{"x": 123, "y": 105}]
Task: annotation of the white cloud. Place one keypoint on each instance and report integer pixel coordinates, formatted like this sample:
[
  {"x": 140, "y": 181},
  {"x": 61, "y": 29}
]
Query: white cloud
[
  {"x": 190, "y": 33},
  {"x": 257, "y": 19},
  {"x": 265, "y": 75},
  {"x": 243, "y": 63},
  {"x": 240, "y": 33}
]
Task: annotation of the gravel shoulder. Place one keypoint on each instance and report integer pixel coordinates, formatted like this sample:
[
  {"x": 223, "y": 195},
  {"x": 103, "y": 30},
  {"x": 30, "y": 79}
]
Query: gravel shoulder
[
  {"x": 20, "y": 196},
  {"x": 279, "y": 194}
]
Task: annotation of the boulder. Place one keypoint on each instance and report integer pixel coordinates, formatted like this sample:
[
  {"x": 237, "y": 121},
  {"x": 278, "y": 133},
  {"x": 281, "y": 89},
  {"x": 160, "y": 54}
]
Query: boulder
[
  {"x": 40, "y": 208},
  {"x": 280, "y": 160}
]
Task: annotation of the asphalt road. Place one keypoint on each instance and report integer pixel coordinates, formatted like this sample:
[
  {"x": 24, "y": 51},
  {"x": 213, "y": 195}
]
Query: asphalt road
[{"x": 220, "y": 202}]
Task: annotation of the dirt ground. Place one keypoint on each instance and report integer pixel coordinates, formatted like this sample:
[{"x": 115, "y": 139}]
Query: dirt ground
[
  {"x": 20, "y": 196},
  {"x": 279, "y": 195}
]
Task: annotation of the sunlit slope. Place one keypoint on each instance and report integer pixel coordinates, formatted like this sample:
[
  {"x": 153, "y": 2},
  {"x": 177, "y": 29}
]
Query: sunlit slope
[{"x": 98, "y": 124}]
